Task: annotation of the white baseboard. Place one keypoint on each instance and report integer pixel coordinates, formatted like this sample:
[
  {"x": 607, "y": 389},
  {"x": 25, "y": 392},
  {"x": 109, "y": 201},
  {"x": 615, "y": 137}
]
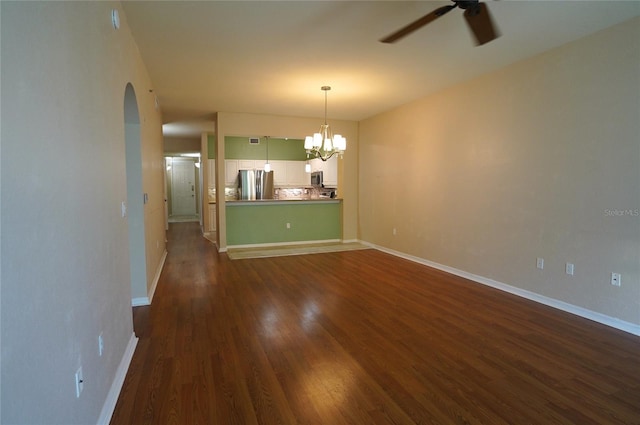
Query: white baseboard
[
  {"x": 266, "y": 245},
  {"x": 140, "y": 301},
  {"x": 551, "y": 302},
  {"x": 116, "y": 386},
  {"x": 156, "y": 278}
]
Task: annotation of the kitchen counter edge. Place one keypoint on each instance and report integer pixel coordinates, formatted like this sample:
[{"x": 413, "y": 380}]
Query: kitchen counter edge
[{"x": 282, "y": 201}]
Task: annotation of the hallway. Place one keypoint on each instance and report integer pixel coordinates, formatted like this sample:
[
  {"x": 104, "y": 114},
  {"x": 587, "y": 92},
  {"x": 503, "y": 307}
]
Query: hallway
[{"x": 362, "y": 337}]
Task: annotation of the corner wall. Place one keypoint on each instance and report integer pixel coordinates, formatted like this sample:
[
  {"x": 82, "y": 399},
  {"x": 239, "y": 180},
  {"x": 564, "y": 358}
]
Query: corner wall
[
  {"x": 539, "y": 159},
  {"x": 65, "y": 264}
]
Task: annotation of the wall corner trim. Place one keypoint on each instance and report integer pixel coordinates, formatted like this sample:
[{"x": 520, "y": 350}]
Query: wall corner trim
[
  {"x": 114, "y": 392},
  {"x": 141, "y": 301},
  {"x": 622, "y": 325},
  {"x": 156, "y": 278}
]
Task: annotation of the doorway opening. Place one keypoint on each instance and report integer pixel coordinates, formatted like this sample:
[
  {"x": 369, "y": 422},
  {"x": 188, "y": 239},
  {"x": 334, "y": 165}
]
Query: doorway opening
[
  {"x": 135, "y": 199},
  {"x": 183, "y": 188}
]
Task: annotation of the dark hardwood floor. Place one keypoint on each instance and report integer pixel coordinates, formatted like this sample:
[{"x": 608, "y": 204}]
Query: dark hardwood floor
[{"x": 362, "y": 337}]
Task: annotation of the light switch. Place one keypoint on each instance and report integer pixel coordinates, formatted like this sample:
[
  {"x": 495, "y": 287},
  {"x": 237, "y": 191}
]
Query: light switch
[{"x": 569, "y": 269}]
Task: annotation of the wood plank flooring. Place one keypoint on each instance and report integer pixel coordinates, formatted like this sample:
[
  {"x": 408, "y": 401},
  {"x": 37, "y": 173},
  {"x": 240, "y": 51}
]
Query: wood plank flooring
[{"x": 362, "y": 337}]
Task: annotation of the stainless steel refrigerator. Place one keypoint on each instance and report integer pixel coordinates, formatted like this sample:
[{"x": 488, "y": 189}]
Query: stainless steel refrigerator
[
  {"x": 255, "y": 184},
  {"x": 264, "y": 184}
]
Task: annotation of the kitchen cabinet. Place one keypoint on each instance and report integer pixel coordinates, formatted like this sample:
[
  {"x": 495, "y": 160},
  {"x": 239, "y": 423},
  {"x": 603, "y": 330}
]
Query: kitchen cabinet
[
  {"x": 212, "y": 217},
  {"x": 211, "y": 173},
  {"x": 285, "y": 173},
  {"x": 296, "y": 175},
  {"x": 231, "y": 172},
  {"x": 330, "y": 172},
  {"x": 279, "y": 169},
  {"x": 316, "y": 165},
  {"x": 246, "y": 164}
]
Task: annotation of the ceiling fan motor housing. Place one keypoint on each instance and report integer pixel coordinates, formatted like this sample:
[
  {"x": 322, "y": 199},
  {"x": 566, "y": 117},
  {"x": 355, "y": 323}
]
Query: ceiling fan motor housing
[{"x": 471, "y": 7}]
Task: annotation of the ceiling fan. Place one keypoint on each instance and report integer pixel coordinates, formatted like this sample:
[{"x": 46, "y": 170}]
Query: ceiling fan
[{"x": 476, "y": 14}]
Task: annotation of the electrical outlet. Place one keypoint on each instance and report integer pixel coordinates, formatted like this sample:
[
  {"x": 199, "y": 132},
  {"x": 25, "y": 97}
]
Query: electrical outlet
[
  {"x": 100, "y": 344},
  {"x": 394, "y": 231},
  {"x": 569, "y": 269},
  {"x": 616, "y": 279},
  {"x": 79, "y": 382},
  {"x": 288, "y": 225},
  {"x": 540, "y": 263}
]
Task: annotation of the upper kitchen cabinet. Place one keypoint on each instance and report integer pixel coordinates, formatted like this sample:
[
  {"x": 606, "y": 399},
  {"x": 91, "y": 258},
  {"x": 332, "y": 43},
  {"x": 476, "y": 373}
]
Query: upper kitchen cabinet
[
  {"x": 279, "y": 169},
  {"x": 246, "y": 164},
  {"x": 231, "y": 172},
  {"x": 285, "y": 173},
  {"x": 296, "y": 176},
  {"x": 211, "y": 173},
  {"x": 329, "y": 170}
]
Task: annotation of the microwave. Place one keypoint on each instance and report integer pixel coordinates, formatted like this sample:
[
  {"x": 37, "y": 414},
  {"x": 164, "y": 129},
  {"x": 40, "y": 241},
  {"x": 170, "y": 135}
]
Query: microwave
[{"x": 316, "y": 178}]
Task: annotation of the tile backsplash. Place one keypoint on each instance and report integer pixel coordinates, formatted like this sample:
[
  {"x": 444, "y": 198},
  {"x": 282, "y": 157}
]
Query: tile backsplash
[
  {"x": 230, "y": 193},
  {"x": 296, "y": 193}
]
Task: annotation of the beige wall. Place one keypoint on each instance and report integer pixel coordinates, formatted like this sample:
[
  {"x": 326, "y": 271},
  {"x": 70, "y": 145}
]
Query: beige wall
[
  {"x": 236, "y": 124},
  {"x": 530, "y": 161},
  {"x": 65, "y": 249},
  {"x": 153, "y": 170},
  {"x": 181, "y": 144},
  {"x": 203, "y": 145}
]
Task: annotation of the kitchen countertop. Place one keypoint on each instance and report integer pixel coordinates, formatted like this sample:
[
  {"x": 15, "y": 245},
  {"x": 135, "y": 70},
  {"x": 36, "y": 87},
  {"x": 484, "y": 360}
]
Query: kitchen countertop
[{"x": 282, "y": 201}]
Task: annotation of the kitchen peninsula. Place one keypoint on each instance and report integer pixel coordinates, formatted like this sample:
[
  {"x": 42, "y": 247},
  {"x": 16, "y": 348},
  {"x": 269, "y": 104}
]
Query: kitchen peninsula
[
  {"x": 301, "y": 212},
  {"x": 314, "y": 215},
  {"x": 283, "y": 220}
]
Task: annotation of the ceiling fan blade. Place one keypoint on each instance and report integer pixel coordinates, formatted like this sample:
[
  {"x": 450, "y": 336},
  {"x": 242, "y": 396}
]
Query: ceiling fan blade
[
  {"x": 479, "y": 20},
  {"x": 418, "y": 24}
]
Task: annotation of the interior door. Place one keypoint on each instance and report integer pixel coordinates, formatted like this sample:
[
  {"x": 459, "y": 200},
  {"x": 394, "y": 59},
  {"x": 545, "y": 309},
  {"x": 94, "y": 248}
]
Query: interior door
[{"x": 183, "y": 187}]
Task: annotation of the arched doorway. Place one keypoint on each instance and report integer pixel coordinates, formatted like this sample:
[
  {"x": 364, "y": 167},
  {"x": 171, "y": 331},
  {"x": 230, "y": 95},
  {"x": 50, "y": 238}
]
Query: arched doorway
[{"x": 135, "y": 199}]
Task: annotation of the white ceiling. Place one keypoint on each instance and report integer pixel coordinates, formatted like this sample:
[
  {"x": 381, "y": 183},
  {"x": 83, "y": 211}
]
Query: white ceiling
[{"x": 272, "y": 57}]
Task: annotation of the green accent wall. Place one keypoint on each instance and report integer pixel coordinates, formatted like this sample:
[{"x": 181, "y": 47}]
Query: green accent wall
[
  {"x": 252, "y": 223},
  {"x": 211, "y": 146},
  {"x": 279, "y": 149}
]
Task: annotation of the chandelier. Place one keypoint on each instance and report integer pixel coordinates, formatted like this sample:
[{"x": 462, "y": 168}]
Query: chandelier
[{"x": 324, "y": 144}]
